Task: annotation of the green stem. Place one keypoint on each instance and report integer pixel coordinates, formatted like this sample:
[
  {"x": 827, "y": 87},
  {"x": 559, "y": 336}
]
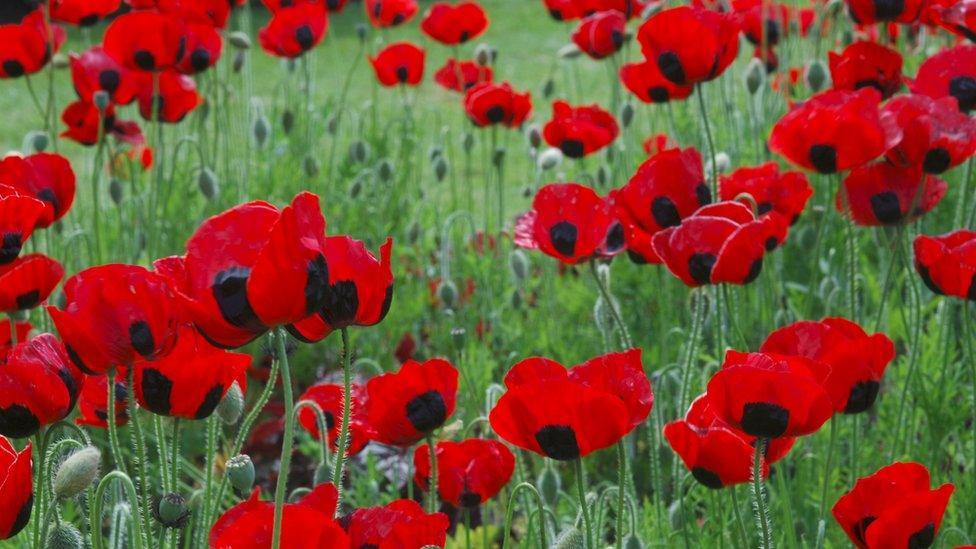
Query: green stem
[
  {"x": 510, "y": 509},
  {"x": 344, "y": 426},
  {"x": 708, "y": 137},
  {"x": 96, "y": 510},
  {"x": 584, "y": 506},
  {"x": 828, "y": 463},
  {"x": 208, "y": 503},
  {"x": 139, "y": 445},
  {"x": 113, "y": 430},
  {"x": 608, "y": 300},
  {"x": 743, "y": 536},
  {"x": 286, "y": 446},
  {"x": 759, "y": 498},
  {"x": 621, "y": 484},
  {"x": 432, "y": 496}
]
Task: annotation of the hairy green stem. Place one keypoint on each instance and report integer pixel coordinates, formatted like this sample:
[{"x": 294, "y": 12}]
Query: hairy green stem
[
  {"x": 759, "y": 497},
  {"x": 432, "y": 496},
  {"x": 341, "y": 449},
  {"x": 286, "y": 446},
  {"x": 584, "y": 506}
]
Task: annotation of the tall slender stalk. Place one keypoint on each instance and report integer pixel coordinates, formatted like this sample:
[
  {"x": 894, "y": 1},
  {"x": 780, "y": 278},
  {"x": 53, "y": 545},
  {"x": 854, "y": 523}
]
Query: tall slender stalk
[
  {"x": 708, "y": 137},
  {"x": 340, "y": 462},
  {"x": 759, "y": 496},
  {"x": 584, "y": 506},
  {"x": 286, "y": 445},
  {"x": 432, "y": 497}
]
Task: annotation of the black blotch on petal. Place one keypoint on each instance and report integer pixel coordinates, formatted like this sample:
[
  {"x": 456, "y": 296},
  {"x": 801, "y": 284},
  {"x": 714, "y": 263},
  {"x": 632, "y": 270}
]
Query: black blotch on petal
[
  {"x": 703, "y": 193},
  {"x": 971, "y": 292},
  {"x": 10, "y": 247},
  {"x": 888, "y": 10},
  {"x": 144, "y": 60},
  {"x": 427, "y": 411},
  {"x": 936, "y": 161},
  {"x": 398, "y": 18},
  {"x": 923, "y": 272},
  {"x": 76, "y": 360},
  {"x": 387, "y": 301},
  {"x": 665, "y": 212},
  {"x": 754, "y": 270},
  {"x": 109, "y": 80},
  {"x": 862, "y": 396},
  {"x": 316, "y": 284},
  {"x": 659, "y": 94},
  {"x": 861, "y": 527},
  {"x": 636, "y": 258},
  {"x": 764, "y": 208},
  {"x": 47, "y": 195},
  {"x": 556, "y": 14},
  {"x": 464, "y": 37},
  {"x": 140, "y": 335},
  {"x": 861, "y": 84},
  {"x": 963, "y": 88},
  {"x": 923, "y": 538},
  {"x": 823, "y": 158},
  {"x": 617, "y": 38},
  {"x": 13, "y": 68},
  {"x": 886, "y": 207},
  {"x": 707, "y": 478},
  {"x": 88, "y": 20},
  {"x": 28, "y": 300},
  {"x": 615, "y": 238},
  {"x": 330, "y": 421},
  {"x": 17, "y": 421},
  {"x": 230, "y": 292},
  {"x": 700, "y": 267},
  {"x": 558, "y": 442},
  {"x": 304, "y": 37},
  {"x": 22, "y": 518},
  {"x": 200, "y": 59},
  {"x": 671, "y": 68},
  {"x": 495, "y": 114},
  {"x": 764, "y": 420},
  {"x": 341, "y": 304},
  {"x": 469, "y": 499},
  {"x": 563, "y": 236},
  {"x": 402, "y": 74},
  {"x": 210, "y": 401},
  {"x": 572, "y": 148},
  {"x": 157, "y": 389},
  {"x": 71, "y": 386},
  {"x": 771, "y": 243}
]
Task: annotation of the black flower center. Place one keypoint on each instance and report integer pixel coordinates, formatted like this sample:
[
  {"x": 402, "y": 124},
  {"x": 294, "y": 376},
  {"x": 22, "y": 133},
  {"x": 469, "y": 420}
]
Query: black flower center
[
  {"x": 563, "y": 236},
  {"x": 764, "y": 419},
  {"x": 427, "y": 411},
  {"x": 558, "y": 442}
]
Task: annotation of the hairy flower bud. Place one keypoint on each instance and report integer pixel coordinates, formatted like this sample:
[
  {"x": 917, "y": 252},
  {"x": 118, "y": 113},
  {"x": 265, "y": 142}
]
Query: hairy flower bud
[
  {"x": 77, "y": 473},
  {"x": 231, "y": 407}
]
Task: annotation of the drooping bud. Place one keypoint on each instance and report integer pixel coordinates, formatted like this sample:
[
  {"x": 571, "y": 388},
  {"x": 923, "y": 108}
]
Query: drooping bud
[
  {"x": 549, "y": 88},
  {"x": 569, "y": 51},
  {"x": 816, "y": 75},
  {"x": 115, "y": 190},
  {"x": 207, "y": 181},
  {"x": 384, "y": 170},
  {"x": 239, "y": 40},
  {"x": 171, "y": 511},
  {"x": 519, "y": 263},
  {"x": 627, "y": 114},
  {"x": 238, "y": 62},
  {"x": 440, "y": 168},
  {"x": 231, "y": 407},
  {"x": 549, "y": 485},
  {"x": 240, "y": 472},
  {"x": 413, "y": 233},
  {"x": 447, "y": 292},
  {"x": 77, "y": 473},
  {"x": 603, "y": 175},
  {"x": 631, "y": 541},
  {"x": 260, "y": 130},
  {"x": 358, "y": 152},
  {"x": 64, "y": 535},
  {"x": 754, "y": 76},
  {"x": 467, "y": 142},
  {"x": 571, "y": 539},
  {"x": 498, "y": 158},
  {"x": 361, "y": 31},
  {"x": 516, "y": 299},
  {"x": 287, "y": 120},
  {"x": 535, "y": 136},
  {"x": 549, "y": 159},
  {"x": 482, "y": 55}
]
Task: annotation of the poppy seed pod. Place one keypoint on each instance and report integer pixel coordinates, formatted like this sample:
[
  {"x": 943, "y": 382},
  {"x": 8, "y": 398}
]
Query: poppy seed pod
[
  {"x": 172, "y": 511},
  {"x": 64, "y": 536},
  {"x": 77, "y": 472},
  {"x": 549, "y": 159},
  {"x": 754, "y": 76},
  {"x": 115, "y": 190},
  {"x": 207, "y": 182},
  {"x": 633, "y": 542},
  {"x": 231, "y": 407},
  {"x": 569, "y": 51},
  {"x": 816, "y": 75},
  {"x": 37, "y": 141},
  {"x": 239, "y": 40},
  {"x": 240, "y": 472},
  {"x": 102, "y": 100},
  {"x": 60, "y": 61}
]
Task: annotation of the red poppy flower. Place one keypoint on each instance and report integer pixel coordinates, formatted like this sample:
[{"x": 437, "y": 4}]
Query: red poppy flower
[
  {"x": 359, "y": 293},
  {"x": 469, "y": 473},
  {"x": 664, "y": 40},
  {"x": 659, "y": 143},
  {"x": 191, "y": 380},
  {"x": 835, "y": 131},
  {"x": 784, "y": 193},
  {"x": 146, "y": 40},
  {"x": 45, "y": 176},
  {"x": 93, "y": 401},
  {"x": 769, "y": 396},
  {"x": 16, "y": 488},
  {"x": 894, "y": 507},
  {"x": 601, "y": 34},
  {"x": 26, "y": 43},
  {"x": 328, "y": 396},
  {"x": 390, "y": 13},
  {"x": 116, "y": 315},
  {"x": 399, "y": 63},
  {"x": 454, "y": 24},
  {"x": 402, "y": 524},
  {"x": 949, "y": 73},
  {"x": 251, "y": 268},
  {"x": 38, "y": 386},
  {"x": 958, "y": 17},
  {"x": 884, "y": 194},
  {"x": 717, "y": 454},
  {"x": 935, "y": 134},
  {"x": 719, "y": 243},
  {"x": 306, "y": 524},
  {"x": 87, "y": 125},
  {"x": 203, "y": 46},
  {"x": 762, "y": 24},
  {"x": 19, "y": 215},
  {"x": 630, "y": 8},
  {"x": 866, "y": 64},
  {"x": 169, "y": 99},
  {"x": 579, "y": 131},
  {"x": 22, "y": 329},
  {"x": 564, "y": 10},
  {"x": 462, "y": 75},
  {"x": 27, "y": 282},
  {"x": 294, "y": 30},
  {"x": 865, "y": 12},
  {"x": 646, "y": 82},
  {"x": 857, "y": 361},
  {"x": 488, "y": 104},
  {"x": 405, "y": 406},
  {"x": 84, "y": 13},
  {"x": 570, "y": 222},
  {"x": 947, "y": 263},
  {"x": 214, "y": 12},
  {"x": 666, "y": 188},
  {"x": 94, "y": 71},
  {"x": 567, "y": 414}
]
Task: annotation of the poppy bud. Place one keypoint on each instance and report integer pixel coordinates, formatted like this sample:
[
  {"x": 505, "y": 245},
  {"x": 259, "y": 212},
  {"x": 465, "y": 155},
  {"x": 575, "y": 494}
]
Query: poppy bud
[
  {"x": 38, "y": 141},
  {"x": 64, "y": 535},
  {"x": 467, "y": 142},
  {"x": 240, "y": 472},
  {"x": 172, "y": 511},
  {"x": 535, "y": 136},
  {"x": 816, "y": 75},
  {"x": 569, "y": 51},
  {"x": 238, "y": 62},
  {"x": 311, "y": 166},
  {"x": 519, "y": 263},
  {"x": 207, "y": 181},
  {"x": 356, "y": 188},
  {"x": 385, "y": 170},
  {"x": 332, "y": 124},
  {"x": 482, "y": 55},
  {"x": 232, "y": 406},
  {"x": 498, "y": 158},
  {"x": 434, "y": 153},
  {"x": 571, "y": 539},
  {"x": 60, "y": 61},
  {"x": 548, "y": 88},
  {"x": 440, "y": 168},
  {"x": 77, "y": 472},
  {"x": 627, "y": 114},
  {"x": 413, "y": 233},
  {"x": 115, "y": 190},
  {"x": 603, "y": 175},
  {"x": 550, "y": 484},
  {"x": 447, "y": 292},
  {"x": 459, "y": 336},
  {"x": 754, "y": 75},
  {"x": 549, "y": 159},
  {"x": 516, "y": 300},
  {"x": 287, "y": 120},
  {"x": 358, "y": 152},
  {"x": 633, "y": 542},
  {"x": 261, "y": 130},
  {"x": 239, "y": 40},
  {"x": 361, "y": 31}
]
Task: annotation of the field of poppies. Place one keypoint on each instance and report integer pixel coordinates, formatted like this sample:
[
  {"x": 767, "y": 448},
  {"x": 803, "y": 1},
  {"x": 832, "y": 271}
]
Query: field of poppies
[{"x": 498, "y": 273}]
